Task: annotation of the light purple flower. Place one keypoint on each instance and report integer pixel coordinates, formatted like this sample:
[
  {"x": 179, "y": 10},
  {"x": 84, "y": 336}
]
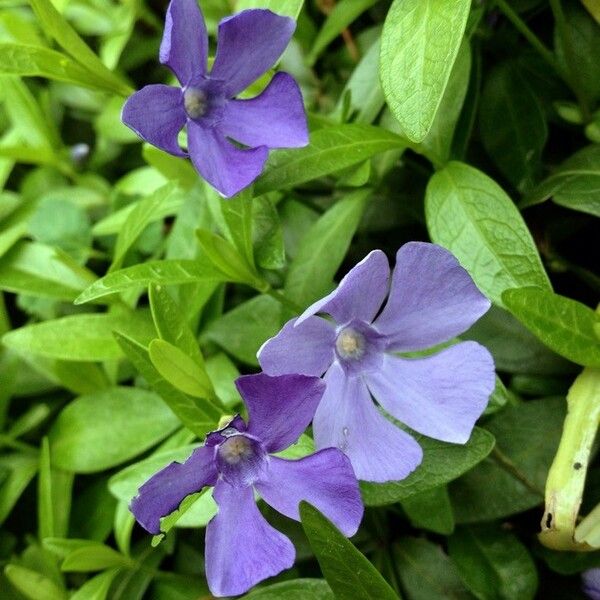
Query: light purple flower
[
  {"x": 241, "y": 547},
  {"x": 249, "y": 44},
  {"x": 432, "y": 299},
  {"x": 591, "y": 583}
]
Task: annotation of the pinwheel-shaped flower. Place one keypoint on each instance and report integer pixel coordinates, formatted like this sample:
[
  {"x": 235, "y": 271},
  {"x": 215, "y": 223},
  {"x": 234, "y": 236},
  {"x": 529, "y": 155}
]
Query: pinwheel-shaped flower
[
  {"x": 241, "y": 547},
  {"x": 432, "y": 299},
  {"x": 249, "y": 44}
]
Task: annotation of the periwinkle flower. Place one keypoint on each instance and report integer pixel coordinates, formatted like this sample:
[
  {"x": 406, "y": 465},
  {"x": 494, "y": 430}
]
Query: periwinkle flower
[
  {"x": 241, "y": 547},
  {"x": 432, "y": 299},
  {"x": 249, "y": 44},
  {"x": 591, "y": 583}
]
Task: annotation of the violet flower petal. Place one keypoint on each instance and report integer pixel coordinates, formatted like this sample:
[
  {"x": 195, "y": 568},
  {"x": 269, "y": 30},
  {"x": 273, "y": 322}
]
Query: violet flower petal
[
  {"x": 184, "y": 46},
  {"x": 242, "y": 549},
  {"x": 275, "y": 119},
  {"x": 591, "y": 583},
  {"x": 164, "y": 491},
  {"x": 348, "y": 419},
  {"x": 359, "y": 295},
  {"x": 279, "y": 408},
  {"x": 157, "y": 115},
  {"x": 440, "y": 396},
  {"x": 249, "y": 43},
  {"x": 432, "y": 299},
  {"x": 306, "y": 349},
  {"x": 324, "y": 479},
  {"x": 225, "y": 167}
]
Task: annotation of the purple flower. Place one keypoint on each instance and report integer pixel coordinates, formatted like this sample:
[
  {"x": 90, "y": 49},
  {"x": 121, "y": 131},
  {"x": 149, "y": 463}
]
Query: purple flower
[
  {"x": 591, "y": 583},
  {"x": 249, "y": 44},
  {"x": 431, "y": 300},
  {"x": 241, "y": 547}
]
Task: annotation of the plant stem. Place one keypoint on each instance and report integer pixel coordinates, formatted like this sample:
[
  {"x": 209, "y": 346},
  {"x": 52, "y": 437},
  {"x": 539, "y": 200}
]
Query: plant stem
[{"x": 281, "y": 298}]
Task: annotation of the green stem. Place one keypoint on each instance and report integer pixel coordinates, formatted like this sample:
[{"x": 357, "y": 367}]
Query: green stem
[
  {"x": 566, "y": 478},
  {"x": 282, "y": 299},
  {"x": 6, "y": 440},
  {"x": 533, "y": 39}
]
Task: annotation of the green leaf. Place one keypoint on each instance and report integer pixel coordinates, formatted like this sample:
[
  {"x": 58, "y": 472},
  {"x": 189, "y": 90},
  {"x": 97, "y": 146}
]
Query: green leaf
[
  {"x": 94, "y": 557},
  {"x": 513, "y": 125},
  {"x": 34, "y": 585},
  {"x": 575, "y": 184},
  {"x": 176, "y": 367},
  {"x": 350, "y": 575},
  {"x": 80, "y": 337},
  {"x": 512, "y": 479},
  {"x": 564, "y": 325},
  {"x": 430, "y": 510},
  {"x": 323, "y": 248},
  {"x": 43, "y": 271},
  {"x": 101, "y": 430},
  {"x": 17, "y": 59},
  {"x": 296, "y": 589},
  {"x": 243, "y": 330},
  {"x": 288, "y": 8},
  {"x": 426, "y": 572},
  {"x": 343, "y": 14},
  {"x": 20, "y": 469},
  {"x": 442, "y": 462},
  {"x": 267, "y": 234},
  {"x": 198, "y": 416},
  {"x": 57, "y": 28},
  {"x": 419, "y": 44},
  {"x": 143, "y": 213},
  {"x": 158, "y": 272},
  {"x": 470, "y": 215},
  {"x": 97, "y": 587},
  {"x": 493, "y": 563},
  {"x": 331, "y": 149}
]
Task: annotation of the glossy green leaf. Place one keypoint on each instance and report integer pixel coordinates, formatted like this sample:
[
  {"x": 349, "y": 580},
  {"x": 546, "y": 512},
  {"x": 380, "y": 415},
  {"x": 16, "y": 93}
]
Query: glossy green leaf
[
  {"x": 442, "y": 462},
  {"x": 350, "y": 575},
  {"x": 323, "y": 248},
  {"x": 331, "y": 149},
  {"x": 470, "y": 215},
  {"x": 97, "y": 587},
  {"x": 19, "y": 470},
  {"x": 493, "y": 563},
  {"x": 34, "y": 585},
  {"x": 159, "y": 272},
  {"x": 430, "y": 510},
  {"x": 296, "y": 589},
  {"x": 94, "y": 557},
  {"x": 80, "y": 337},
  {"x": 564, "y": 325},
  {"x": 419, "y": 44},
  {"x": 102, "y": 430}
]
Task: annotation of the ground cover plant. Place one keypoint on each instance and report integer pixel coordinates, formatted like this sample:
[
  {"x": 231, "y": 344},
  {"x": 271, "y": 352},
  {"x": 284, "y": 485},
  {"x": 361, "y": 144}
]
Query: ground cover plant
[{"x": 298, "y": 299}]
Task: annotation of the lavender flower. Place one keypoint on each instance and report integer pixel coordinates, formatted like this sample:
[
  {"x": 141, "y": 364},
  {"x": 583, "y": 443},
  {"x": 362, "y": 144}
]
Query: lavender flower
[
  {"x": 591, "y": 583},
  {"x": 241, "y": 547},
  {"x": 432, "y": 299},
  {"x": 249, "y": 44}
]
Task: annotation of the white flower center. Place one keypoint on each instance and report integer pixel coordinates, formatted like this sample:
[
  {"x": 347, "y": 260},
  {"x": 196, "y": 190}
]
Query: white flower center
[
  {"x": 195, "y": 102},
  {"x": 235, "y": 449},
  {"x": 350, "y": 343}
]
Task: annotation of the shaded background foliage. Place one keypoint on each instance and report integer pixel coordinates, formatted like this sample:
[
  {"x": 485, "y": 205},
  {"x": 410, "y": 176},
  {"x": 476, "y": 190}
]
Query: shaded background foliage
[{"x": 102, "y": 378}]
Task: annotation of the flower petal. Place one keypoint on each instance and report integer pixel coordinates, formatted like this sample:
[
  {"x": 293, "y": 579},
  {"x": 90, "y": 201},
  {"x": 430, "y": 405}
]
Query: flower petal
[
  {"x": 275, "y": 119},
  {"x": 157, "y": 115},
  {"x": 165, "y": 490},
  {"x": 184, "y": 46},
  {"x": 360, "y": 293},
  {"x": 440, "y": 396},
  {"x": 307, "y": 349},
  {"x": 225, "y": 167},
  {"x": 242, "y": 549},
  {"x": 348, "y": 419},
  {"x": 325, "y": 479},
  {"x": 248, "y": 45},
  {"x": 591, "y": 583},
  {"x": 432, "y": 299},
  {"x": 279, "y": 408}
]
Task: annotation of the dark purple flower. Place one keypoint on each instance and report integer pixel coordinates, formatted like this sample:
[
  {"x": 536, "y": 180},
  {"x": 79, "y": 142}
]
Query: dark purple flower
[
  {"x": 432, "y": 299},
  {"x": 249, "y": 44},
  {"x": 591, "y": 583},
  {"x": 241, "y": 547}
]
